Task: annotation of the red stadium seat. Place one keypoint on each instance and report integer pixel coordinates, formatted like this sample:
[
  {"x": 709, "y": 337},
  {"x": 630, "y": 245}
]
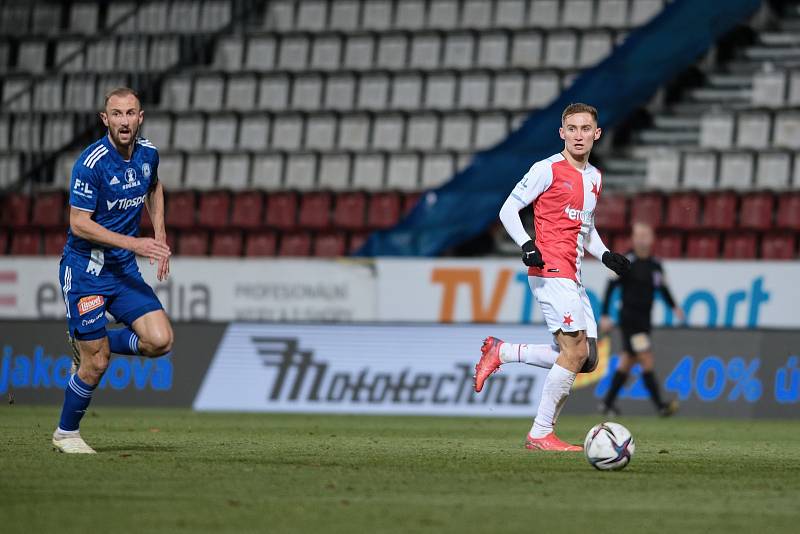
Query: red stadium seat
[
  {"x": 172, "y": 240},
  {"x": 683, "y": 211},
  {"x": 719, "y": 211},
  {"x": 669, "y": 246},
  {"x": 357, "y": 240},
  {"x": 621, "y": 243},
  {"x": 48, "y": 210},
  {"x": 349, "y": 212},
  {"x": 54, "y": 241},
  {"x": 213, "y": 211},
  {"x": 145, "y": 224},
  {"x": 25, "y": 242},
  {"x": 226, "y": 243},
  {"x": 647, "y": 208},
  {"x": 702, "y": 245},
  {"x": 384, "y": 210},
  {"x": 3, "y": 241},
  {"x": 755, "y": 212},
  {"x": 778, "y": 246},
  {"x": 612, "y": 213},
  {"x": 180, "y": 209},
  {"x": 410, "y": 201},
  {"x": 261, "y": 243},
  {"x": 248, "y": 207},
  {"x": 193, "y": 243},
  {"x": 281, "y": 211},
  {"x": 295, "y": 244},
  {"x": 788, "y": 212},
  {"x": 739, "y": 246},
  {"x": 315, "y": 211},
  {"x": 330, "y": 245},
  {"x": 16, "y": 210}
]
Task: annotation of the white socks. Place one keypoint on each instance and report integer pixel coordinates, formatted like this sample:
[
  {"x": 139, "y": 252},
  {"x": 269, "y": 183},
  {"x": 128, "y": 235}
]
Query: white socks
[
  {"x": 538, "y": 355},
  {"x": 554, "y": 395}
]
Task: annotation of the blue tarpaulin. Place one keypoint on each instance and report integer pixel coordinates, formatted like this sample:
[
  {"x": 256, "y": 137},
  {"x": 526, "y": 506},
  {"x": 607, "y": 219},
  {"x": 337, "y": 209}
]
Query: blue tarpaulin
[{"x": 651, "y": 56}]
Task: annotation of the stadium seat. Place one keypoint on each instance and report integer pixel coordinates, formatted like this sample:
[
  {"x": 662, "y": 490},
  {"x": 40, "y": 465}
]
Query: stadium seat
[
  {"x": 226, "y": 243},
  {"x": 755, "y": 211},
  {"x": 788, "y": 217},
  {"x": 700, "y": 170},
  {"x": 383, "y": 210},
  {"x": 180, "y": 210},
  {"x": 247, "y": 209},
  {"x": 526, "y": 50},
  {"x": 145, "y": 224},
  {"x": 48, "y": 210},
  {"x": 403, "y": 171},
  {"x": 621, "y": 242},
  {"x": 295, "y": 244},
  {"x": 3, "y": 241},
  {"x": 719, "y": 211},
  {"x": 368, "y": 171},
  {"x": 739, "y": 246},
  {"x": 611, "y": 213},
  {"x": 702, "y": 245},
  {"x": 54, "y": 241},
  {"x": 683, "y": 211},
  {"x": 349, "y": 211},
  {"x": 315, "y": 211},
  {"x": 234, "y": 171},
  {"x": 261, "y": 243},
  {"x": 357, "y": 240},
  {"x": 16, "y": 210},
  {"x": 647, "y": 208},
  {"x": 669, "y": 245},
  {"x": 281, "y": 211},
  {"x": 334, "y": 171},
  {"x": 329, "y": 245},
  {"x": 25, "y": 242},
  {"x": 778, "y": 246},
  {"x": 213, "y": 210},
  {"x": 410, "y": 201},
  {"x": 772, "y": 170},
  {"x": 192, "y": 243}
]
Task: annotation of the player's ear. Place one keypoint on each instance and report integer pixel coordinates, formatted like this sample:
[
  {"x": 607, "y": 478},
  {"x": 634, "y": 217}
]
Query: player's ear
[
  {"x": 141, "y": 116},
  {"x": 104, "y": 117},
  {"x": 561, "y": 133},
  {"x": 597, "y": 133}
]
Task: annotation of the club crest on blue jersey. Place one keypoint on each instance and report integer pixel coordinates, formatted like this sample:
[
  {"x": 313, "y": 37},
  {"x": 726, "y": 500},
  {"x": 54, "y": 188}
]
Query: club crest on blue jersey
[
  {"x": 146, "y": 170},
  {"x": 130, "y": 177}
]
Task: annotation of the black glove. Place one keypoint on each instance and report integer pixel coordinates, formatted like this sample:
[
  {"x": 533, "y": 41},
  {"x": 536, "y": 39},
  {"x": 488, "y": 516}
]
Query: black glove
[
  {"x": 616, "y": 262},
  {"x": 531, "y": 255}
]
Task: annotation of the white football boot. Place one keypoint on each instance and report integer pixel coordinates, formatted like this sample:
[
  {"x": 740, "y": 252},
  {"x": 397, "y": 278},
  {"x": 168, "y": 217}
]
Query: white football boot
[{"x": 71, "y": 443}]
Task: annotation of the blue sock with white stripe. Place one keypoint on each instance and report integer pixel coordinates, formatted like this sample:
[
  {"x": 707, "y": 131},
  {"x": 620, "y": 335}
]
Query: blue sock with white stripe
[
  {"x": 77, "y": 396},
  {"x": 123, "y": 341}
]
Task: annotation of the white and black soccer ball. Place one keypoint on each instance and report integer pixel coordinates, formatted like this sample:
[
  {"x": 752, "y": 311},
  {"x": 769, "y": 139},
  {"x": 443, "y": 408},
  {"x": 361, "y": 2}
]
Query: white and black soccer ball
[{"x": 609, "y": 446}]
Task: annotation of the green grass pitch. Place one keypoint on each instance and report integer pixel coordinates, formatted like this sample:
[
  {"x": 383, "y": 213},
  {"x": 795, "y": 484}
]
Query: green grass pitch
[{"x": 178, "y": 471}]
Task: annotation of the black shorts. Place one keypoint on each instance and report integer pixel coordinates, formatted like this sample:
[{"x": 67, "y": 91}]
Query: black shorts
[{"x": 635, "y": 339}]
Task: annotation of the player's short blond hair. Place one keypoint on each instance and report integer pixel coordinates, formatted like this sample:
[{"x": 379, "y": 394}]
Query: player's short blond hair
[
  {"x": 579, "y": 107},
  {"x": 120, "y": 91}
]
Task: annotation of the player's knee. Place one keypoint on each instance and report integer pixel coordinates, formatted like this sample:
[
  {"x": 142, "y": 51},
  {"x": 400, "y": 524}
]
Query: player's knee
[{"x": 158, "y": 343}]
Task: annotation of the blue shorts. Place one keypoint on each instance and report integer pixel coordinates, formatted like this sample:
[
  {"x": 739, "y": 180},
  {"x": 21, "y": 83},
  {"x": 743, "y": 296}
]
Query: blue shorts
[{"x": 121, "y": 291}]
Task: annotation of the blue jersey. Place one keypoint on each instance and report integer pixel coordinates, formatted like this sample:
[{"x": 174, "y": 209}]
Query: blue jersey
[{"x": 114, "y": 191}]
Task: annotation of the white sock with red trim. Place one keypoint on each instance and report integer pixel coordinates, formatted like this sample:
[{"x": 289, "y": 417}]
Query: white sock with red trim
[
  {"x": 539, "y": 355},
  {"x": 554, "y": 394}
]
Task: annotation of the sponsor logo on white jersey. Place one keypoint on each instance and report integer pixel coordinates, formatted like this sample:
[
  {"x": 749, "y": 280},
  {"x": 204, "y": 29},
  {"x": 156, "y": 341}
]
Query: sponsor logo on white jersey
[{"x": 585, "y": 216}]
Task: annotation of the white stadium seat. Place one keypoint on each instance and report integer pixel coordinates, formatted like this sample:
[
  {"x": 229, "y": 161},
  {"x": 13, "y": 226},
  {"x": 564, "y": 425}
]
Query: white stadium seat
[
  {"x": 772, "y": 170},
  {"x": 215, "y": 15},
  {"x": 208, "y": 93},
  {"x": 184, "y": 17},
  {"x": 176, "y": 93},
  {"x": 368, "y": 172},
  {"x": 307, "y": 92},
  {"x": 474, "y": 91},
  {"x": 392, "y": 52},
  {"x": 301, "y": 172},
  {"x": 273, "y": 92},
  {"x": 543, "y": 14},
  {"x": 595, "y": 47},
  {"x": 153, "y": 18},
  {"x": 287, "y": 132},
  {"x": 201, "y": 171},
  {"x": 406, "y": 92},
  {"x": 663, "y": 170},
  {"x": 459, "y": 51},
  {"x": 326, "y": 53},
  {"x": 164, "y": 53},
  {"x": 58, "y": 131},
  {"x": 509, "y": 90},
  {"x": 422, "y": 131},
  {"x": 188, "y": 132},
  {"x": 254, "y": 132},
  {"x": 492, "y": 50},
  {"x": 340, "y": 91},
  {"x": 66, "y": 48},
  {"x": 700, "y": 170},
  {"x": 716, "y": 130},
  {"x": 293, "y": 53},
  {"x": 561, "y": 50},
  {"x": 170, "y": 170},
  {"x": 410, "y": 15},
  {"x": 83, "y": 18},
  {"x": 476, "y": 14},
  {"x": 358, "y": 52},
  {"x": 373, "y": 92},
  {"x": 118, "y": 16},
  {"x": 387, "y": 132},
  {"x": 769, "y": 89},
  {"x": 425, "y": 49},
  {"x": 5, "y": 131},
  {"x": 644, "y": 10},
  {"x": 221, "y": 133},
  {"x": 311, "y": 15},
  {"x": 157, "y": 128},
  {"x": 443, "y": 14},
  {"x": 612, "y": 13},
  {"x": 794, "y": 88},
  {"x": 752, "y": 130},
  {"x": 344, "y": 15},
  {"x": 403, "y": 172},
  {"x": 490, "y": 129},
  {"x": 526, "y": 50},
  {"x": 80, "y": 93},
  {"x": 736, "y": 170},
  {"x": 376, "y": 15},
  {"x": 510, "y": 13},
  {"x": 334, "y": 172},
  {"x": 280, "y": 15},
  {"x": 260, "y": 54},
  {"x": 577, "y": 13},
  {"x": 234, "y": 171},
  {"x": 353, "y": 132},
  {"x": 240, "y": 92},
  {"x": 456, "y": 132},
  {"x": 437, "y": 168},
  {"x": 48, "y": 94},
  {"x": 321, "y": 132},
  {"x": 786, "y": 132},
  {"x": 440, "y": 91},
  {"x": 101, "y": 56},
  {"x": 229, "y": 54},
  {"x": 543, "y": 88},
  {"x": 267, "y": 172}
]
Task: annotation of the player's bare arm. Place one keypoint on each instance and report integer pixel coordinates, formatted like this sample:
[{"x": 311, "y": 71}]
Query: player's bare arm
[
  {"x": 82, "y": 225},
  {"x": 155, "y": 208}
]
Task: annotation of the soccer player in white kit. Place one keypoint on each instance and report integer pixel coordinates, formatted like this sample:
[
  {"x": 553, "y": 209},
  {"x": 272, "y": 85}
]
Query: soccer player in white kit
[{"x": 563, "y": 190}]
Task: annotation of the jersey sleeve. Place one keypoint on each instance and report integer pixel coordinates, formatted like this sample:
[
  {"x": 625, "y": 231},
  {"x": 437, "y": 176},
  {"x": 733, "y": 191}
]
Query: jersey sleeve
[
  {"x": 535, "y": 182},
  {"x": 83, "y": 188},
  {"x": 660, "y": 284}
]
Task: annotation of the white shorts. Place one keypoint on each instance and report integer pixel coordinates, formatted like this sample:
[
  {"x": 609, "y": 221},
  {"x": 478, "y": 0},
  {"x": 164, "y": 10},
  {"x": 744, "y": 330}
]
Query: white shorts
[{"x": 565, "y": 305}]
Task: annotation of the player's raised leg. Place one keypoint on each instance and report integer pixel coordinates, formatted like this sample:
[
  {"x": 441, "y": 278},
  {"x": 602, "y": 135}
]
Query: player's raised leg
[
  {"x": 495, "y": 352},
  {"x": 94, "y": 358},
  {"x": 557, "y": 386},
  {"x": 155, "y": 333}
]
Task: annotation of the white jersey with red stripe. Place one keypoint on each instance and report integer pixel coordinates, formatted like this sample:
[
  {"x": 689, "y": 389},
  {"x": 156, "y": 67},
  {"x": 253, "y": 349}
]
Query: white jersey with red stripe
[{"x": 564, "y": 199}]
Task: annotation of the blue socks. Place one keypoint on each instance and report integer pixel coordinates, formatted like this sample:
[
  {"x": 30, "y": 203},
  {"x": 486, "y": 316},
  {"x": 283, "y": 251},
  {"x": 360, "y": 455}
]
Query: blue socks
[
  {"x": 77, "y": 397},
  {"x": 123, "y": 341}
]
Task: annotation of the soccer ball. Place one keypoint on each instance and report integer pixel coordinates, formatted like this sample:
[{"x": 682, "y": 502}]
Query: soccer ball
[{"x": 609, "y": 446}]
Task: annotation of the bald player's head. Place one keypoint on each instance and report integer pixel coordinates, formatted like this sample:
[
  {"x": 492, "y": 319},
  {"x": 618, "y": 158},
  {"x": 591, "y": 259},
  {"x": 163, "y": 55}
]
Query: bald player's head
[{"x": 642, "y": 238}]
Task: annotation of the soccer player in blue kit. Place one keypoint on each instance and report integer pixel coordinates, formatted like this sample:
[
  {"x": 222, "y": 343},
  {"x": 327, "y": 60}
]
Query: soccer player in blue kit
[{"x": 111, "y": 181}]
